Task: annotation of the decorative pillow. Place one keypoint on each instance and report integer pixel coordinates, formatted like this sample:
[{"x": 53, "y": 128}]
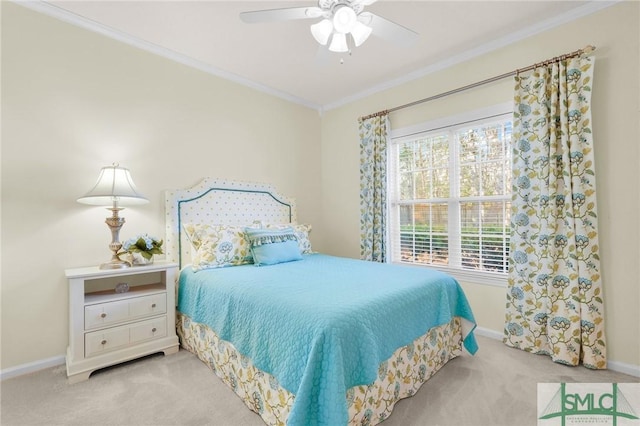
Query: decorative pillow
[
  {"x": 301, "y": 232},
  {"x": 217, "y": 246},
  {"x": 272, "y": 246}
]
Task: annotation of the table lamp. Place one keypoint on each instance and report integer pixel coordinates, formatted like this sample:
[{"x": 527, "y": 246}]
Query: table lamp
[{"x": 114, "y": 188}]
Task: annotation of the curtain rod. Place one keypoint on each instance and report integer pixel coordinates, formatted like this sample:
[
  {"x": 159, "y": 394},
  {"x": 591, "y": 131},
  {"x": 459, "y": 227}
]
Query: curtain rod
[{"x": 587, "y": 50}]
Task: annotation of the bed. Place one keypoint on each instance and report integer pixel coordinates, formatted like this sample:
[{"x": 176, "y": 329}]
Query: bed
[{"x": 303, "y": 338}]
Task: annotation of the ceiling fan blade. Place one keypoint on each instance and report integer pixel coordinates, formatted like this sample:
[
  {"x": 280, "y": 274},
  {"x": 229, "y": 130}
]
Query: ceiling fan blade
[
  {"x": 367, "y": 2},
  {"x": 389, "y": 30},
  {"x": 286, "y": 14}
]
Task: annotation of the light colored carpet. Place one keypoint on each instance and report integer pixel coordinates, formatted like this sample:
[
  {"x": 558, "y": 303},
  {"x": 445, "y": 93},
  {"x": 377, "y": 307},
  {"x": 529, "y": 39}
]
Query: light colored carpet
[{"x": 495, "y": 387}]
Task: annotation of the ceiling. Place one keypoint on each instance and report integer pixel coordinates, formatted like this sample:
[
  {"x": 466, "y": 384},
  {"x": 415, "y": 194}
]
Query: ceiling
[{"x": 282, "y": 58}]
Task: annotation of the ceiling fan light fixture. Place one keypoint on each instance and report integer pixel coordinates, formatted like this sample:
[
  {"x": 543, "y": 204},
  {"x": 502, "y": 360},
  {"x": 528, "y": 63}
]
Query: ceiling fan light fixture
[
  {"x": 322, "y": 31},
  {"x": 339, "y": 43},
  {"x": 344, "y": 19},
  {"x": 360, "y": 33},
  {"x": 338, "y": 19}
]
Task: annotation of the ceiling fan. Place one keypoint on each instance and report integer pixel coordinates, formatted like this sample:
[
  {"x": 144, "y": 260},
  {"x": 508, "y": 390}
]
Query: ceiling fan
[{"x": 340, "y": 18}]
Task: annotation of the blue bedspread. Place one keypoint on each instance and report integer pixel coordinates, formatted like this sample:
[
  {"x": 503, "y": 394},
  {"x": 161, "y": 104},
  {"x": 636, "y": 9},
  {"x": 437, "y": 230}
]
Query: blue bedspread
[{"x": 323, "y": 324}]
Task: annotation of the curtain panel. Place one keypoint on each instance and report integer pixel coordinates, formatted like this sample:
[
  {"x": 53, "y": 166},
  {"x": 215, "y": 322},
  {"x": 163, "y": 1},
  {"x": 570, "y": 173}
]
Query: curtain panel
[
  {"x": 554, "y": 297},
  {"x": 373, "y": 187}
]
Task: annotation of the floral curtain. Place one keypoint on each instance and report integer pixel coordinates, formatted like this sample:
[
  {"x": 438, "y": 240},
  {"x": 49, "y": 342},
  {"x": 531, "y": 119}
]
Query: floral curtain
[
  {"x": 373, "y": 186},
  {"x": 554, "y": 297}
]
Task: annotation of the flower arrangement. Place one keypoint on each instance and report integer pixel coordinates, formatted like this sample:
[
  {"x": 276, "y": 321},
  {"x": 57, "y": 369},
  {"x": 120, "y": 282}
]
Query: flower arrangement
[{"x": 144, "y": 244}]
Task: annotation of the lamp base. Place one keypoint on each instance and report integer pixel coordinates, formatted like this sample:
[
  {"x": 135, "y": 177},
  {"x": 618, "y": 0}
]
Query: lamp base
[
  {"x": 115, "y": 264},
  {"x": 114, "y": 223}
]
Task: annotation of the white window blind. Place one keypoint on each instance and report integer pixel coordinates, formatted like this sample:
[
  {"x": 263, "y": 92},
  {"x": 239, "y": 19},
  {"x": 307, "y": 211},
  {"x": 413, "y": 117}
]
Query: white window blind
[{"x": 450, "y": 192}]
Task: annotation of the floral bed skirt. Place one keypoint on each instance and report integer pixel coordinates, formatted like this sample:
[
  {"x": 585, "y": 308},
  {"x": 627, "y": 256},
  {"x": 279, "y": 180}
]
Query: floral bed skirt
[{"x": 398, "y": 377}]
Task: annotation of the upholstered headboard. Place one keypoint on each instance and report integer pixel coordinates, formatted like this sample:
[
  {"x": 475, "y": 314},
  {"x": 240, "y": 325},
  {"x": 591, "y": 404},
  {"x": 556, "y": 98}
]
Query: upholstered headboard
[{"x": 220, "y": 202}]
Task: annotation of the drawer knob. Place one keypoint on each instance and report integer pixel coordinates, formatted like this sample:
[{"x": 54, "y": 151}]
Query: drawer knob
[
  {"x": 153, "y": 305},
  {"x": 104, "y": 342},
  {"x": 153, "y": 330},
  {"x": 103, "y": 315}
]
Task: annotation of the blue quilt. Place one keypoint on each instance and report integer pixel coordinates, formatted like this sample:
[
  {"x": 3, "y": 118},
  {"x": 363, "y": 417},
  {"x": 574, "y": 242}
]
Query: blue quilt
[{"x": 322, "y": 324}]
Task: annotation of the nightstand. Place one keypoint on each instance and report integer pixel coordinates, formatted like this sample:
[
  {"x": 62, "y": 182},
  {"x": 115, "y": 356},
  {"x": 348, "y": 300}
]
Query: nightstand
[{"x": 107, "y": 328}]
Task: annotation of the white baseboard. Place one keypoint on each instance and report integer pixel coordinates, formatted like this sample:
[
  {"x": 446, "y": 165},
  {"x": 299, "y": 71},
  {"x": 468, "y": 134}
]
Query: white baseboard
[
  {"x": 31, "y": 367},
  {"x": 488, "y": 333},
  {"x": 620, "y": 367}
]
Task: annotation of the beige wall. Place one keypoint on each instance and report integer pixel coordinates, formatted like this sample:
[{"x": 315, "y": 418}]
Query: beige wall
[
  {"x": 74, "y": 101},
  {"x": 615, "y": 33}
]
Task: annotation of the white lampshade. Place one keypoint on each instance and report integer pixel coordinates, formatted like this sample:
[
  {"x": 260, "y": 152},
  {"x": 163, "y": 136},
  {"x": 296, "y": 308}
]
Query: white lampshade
[
  {"x": 339, "y": 43},
  {"x": 360, "y": 33},
  {"x": 344, "y": 18},
  {"x": 114, "y": 185},
  {"x": 322, "y": 31}
]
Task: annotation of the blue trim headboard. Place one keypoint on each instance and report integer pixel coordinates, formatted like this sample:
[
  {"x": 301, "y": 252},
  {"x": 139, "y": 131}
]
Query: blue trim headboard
[{"x": 221, "y": 202}]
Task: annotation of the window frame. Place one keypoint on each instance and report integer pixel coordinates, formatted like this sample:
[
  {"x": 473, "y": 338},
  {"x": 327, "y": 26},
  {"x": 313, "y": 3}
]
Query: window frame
[{"x": 396, "y": 137}]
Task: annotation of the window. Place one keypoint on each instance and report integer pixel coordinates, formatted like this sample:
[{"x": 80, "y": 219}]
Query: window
[{"x": 450, "y": 193}]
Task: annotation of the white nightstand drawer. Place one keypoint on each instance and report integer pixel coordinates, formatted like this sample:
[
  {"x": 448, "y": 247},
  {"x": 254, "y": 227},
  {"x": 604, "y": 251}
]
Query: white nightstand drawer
[
  {"x": 106, "y": 340},
  {"x": 148, "y": 306},
  {"x": 98, "y": 342},
  {"x": 110, "y": 313},
  {"x": 147, "y": 330}
]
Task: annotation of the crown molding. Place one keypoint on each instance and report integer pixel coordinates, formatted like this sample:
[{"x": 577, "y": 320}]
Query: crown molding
[
  {"x": 572, "y": 15},
  {"x": 82, "y": 22},
  {"x": 88, "y": 24}
]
